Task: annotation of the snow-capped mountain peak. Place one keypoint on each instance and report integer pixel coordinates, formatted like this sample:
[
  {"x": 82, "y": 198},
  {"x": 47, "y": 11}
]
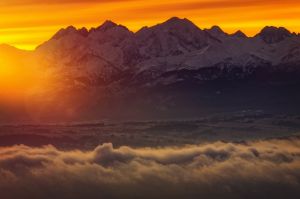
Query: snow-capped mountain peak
[
  {"x": 69, "y": 31},
  {"x": 108, "y": 25},
  {"x": 110, "y": 51},
  {"x": 113, "y": 61},
  {"x": 271, "y": 34},
  {"x": 239, "y": 34},
  {"x": 216, "y": 31},
  {"x": 174, "y": 37}
]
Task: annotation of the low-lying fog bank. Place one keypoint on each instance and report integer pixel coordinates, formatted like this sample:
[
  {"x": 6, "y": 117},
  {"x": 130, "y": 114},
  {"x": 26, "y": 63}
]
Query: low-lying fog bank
[{"x": 254, "y": 169}]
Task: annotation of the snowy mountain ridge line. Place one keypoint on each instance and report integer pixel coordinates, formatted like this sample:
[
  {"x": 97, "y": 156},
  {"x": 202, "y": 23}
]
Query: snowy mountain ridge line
[
  {"x": 111, "y": 51},
  {"x": 173, "y": 69},
  {"x": 213, "y": 30}
]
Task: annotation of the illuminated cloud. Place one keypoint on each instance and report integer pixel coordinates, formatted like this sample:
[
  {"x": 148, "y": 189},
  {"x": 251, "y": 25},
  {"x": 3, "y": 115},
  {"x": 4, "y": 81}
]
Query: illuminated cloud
[{"x": 226, "y": 170}]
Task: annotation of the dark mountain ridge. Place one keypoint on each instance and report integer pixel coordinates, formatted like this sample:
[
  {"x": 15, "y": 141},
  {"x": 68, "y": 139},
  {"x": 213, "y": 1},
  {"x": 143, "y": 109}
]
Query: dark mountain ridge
[{"x": 173, "y": 69}]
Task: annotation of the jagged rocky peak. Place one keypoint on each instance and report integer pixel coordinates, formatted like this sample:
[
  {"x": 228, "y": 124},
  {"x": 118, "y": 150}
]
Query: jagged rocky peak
[
  {"x": 239, "y": 34},
  {"x": 83, "y": 31},
  {"x": 271, "y": 34},
  {"x": 108, "y": 25},
  {"x": 70, "y": 30},
  {"x": 215, "y": 31},
  {"x": 175, "y": 21},
  {"x": 174, "y": 24},
  {"x": 175, "y": 36},
  {"x": 110, "y": 32}
]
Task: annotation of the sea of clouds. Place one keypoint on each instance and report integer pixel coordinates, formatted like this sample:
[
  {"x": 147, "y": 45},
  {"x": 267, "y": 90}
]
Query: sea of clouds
[{"x": 260, "y": 169}]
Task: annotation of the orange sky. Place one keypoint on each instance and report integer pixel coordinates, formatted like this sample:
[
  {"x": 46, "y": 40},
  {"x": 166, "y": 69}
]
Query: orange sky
[{"x": 27, "y": 23}]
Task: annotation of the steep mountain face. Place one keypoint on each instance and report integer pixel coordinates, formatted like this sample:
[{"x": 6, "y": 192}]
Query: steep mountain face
[
  {"x": 272, "y": 35},
  {"x": 172, "y": 38},
  {"x": 111, "y": 52},
  {"x": 239, "y": 34},
  {"x": 216, "y": 31},
  {"x": 172, "y": 68}
]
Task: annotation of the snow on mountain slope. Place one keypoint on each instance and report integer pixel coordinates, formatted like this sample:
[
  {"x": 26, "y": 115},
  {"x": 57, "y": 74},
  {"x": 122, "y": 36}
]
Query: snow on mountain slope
[
  {"x": 110, "y": 52},
  {"x": 96, "y": 55},
  {"x": 171, "y": 38},
  {"x": 272, "y": 35},
  {"x": 111, "y": 70}
]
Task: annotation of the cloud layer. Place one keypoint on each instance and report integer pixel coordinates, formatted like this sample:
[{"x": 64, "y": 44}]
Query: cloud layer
[{"x": 218, "y": 170}]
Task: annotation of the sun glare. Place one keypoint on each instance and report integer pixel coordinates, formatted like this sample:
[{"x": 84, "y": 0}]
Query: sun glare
[{"x": 18, "y": 76}]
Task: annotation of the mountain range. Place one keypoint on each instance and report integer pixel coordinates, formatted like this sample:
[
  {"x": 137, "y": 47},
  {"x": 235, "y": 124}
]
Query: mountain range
[{"x": 170, "y": 70}]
